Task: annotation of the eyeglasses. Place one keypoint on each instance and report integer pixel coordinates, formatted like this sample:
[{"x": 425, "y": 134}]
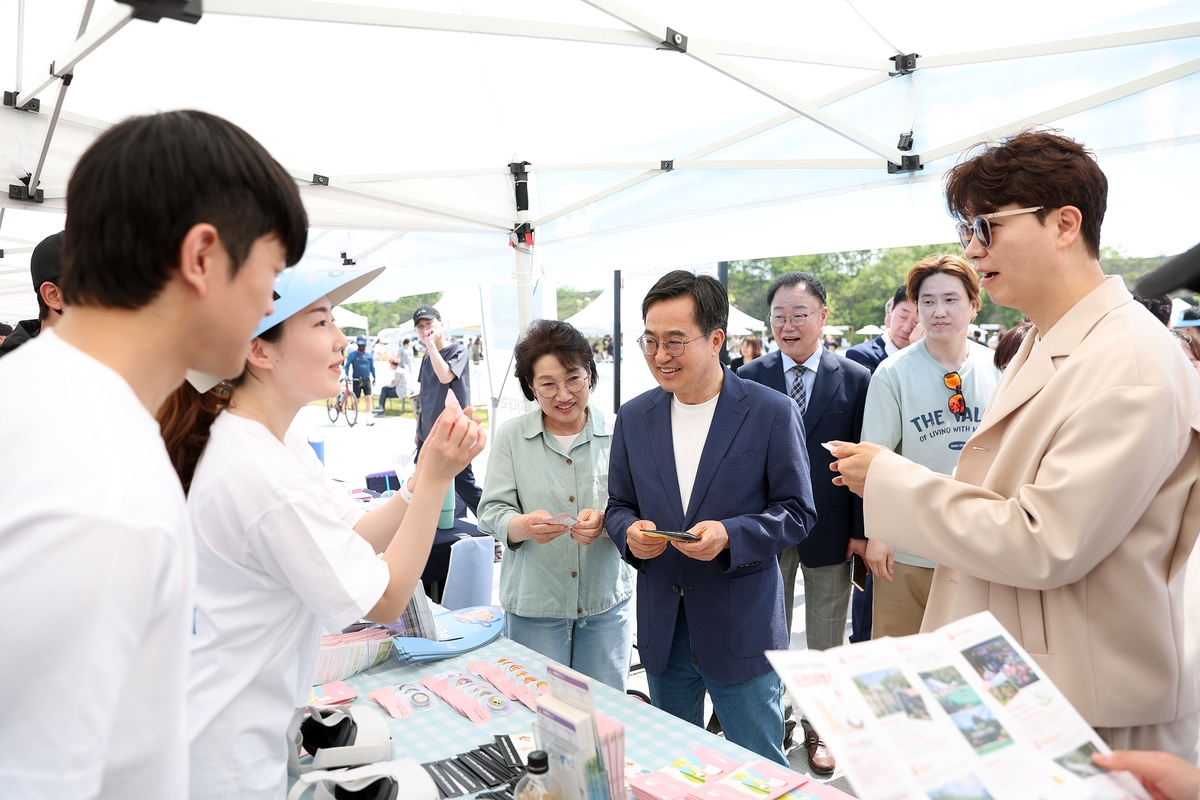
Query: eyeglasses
[
  {"x": 674, "y": 347},
  {"x": 957, "y": 403},
  {"x": 797, "y": 320},
  {"x": 981, "y": 228},
  {"x": 574, "y": 385}
]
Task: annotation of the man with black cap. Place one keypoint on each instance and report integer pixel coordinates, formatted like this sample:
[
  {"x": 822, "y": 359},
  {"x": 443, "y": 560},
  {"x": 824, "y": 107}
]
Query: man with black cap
[
  {"x": 45, "y": 267},
  {"x": 445, "y": 368}
]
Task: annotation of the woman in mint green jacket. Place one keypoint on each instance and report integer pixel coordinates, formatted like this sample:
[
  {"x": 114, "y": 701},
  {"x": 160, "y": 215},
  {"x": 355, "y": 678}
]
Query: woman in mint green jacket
[{"x": 564, "y": 588}]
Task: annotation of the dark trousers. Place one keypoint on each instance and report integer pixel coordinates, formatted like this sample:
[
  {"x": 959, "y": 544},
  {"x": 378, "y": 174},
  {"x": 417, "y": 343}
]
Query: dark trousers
[
  {"x": 466, "y": 490},
  {"x": 860, "y": 609}
]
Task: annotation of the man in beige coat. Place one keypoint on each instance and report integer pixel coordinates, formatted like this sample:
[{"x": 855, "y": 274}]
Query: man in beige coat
[{"x": 1076, "y": 503}]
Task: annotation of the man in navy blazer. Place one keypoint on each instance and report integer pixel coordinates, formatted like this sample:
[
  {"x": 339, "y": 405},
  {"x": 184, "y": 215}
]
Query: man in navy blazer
[
  {"x": 723, "y": 459},
  {"x": 898, "y": 323},
  {"x": 831, "y": 393}
]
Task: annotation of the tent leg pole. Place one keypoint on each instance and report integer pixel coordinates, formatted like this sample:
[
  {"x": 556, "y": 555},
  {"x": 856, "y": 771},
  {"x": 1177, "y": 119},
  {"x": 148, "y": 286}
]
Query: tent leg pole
[
  {"x": 524, "y": 275},
  {"x": 616, "y": 340},
  {"x": 723, "y": 277}
]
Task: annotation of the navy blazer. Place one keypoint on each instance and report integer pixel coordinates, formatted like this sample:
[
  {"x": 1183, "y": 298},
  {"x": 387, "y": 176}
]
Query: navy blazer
[
  {"x": 753, "y": 477},
  {"x": 835, "y": 411},
  {"x": 870, "y": 353}
]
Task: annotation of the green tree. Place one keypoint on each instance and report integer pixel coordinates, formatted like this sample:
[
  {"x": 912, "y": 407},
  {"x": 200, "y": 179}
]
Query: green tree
[
  {"x": 571, "y": 300},
  {"x": 392, "y": 314}
]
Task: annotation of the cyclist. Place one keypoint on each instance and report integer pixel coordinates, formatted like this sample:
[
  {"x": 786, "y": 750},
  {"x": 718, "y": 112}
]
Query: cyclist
[
  {"x": 282, "y": 553},
  {"x": 364, "y": 370}
]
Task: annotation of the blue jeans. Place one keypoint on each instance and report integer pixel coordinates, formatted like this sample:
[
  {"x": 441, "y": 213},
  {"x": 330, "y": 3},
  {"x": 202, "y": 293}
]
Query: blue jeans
[
  {"x": 751, "y": 711},
  {"x": 598, "y": 645}
]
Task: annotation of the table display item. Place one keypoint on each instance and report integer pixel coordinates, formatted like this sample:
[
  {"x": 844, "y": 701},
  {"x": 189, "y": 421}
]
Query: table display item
[
  {"x": 390, "y": 780},
  {"x": 357, "y": 648},
  {"x": 516, "y": 682},
  {"x": 405, "y": 699},
  {"x": 491, "y": 765},
  {"x": 962, "y": 711},
  {"x": 337, "y": 737},
  {"x": 566, "y": 729},
  {"x": 458, "y": 632},
  {"x": 535, "y": 785},
  {"x": 678, "y": 779},
  {"x": 332, "y": 694}
]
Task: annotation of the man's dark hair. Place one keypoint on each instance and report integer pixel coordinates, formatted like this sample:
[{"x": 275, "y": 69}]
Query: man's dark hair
[
  {"x": 806, "y": 280},
  {"x": 712, "y": 303},
  {"x": 5, "y": 329},
  {"x": 1159, "y": 306},
  {"x": 552, "y": 337},
  {"x": 1032, "y": 168},
  {"x": 900, "y": 296},
  {"x": 146, "y": 182}
]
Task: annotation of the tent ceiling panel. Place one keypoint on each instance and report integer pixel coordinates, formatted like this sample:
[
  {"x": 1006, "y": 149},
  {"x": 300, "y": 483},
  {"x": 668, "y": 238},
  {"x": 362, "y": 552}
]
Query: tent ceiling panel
[{"x": 415, "y": 125}]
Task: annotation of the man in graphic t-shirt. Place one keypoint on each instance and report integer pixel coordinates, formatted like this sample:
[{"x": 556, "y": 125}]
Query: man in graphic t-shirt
[
  {"x": 446, "y": 368},
  {"x": 924, "y": 402}
]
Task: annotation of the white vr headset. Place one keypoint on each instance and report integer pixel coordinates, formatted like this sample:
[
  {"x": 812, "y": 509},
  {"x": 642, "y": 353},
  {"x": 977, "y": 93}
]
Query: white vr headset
[
  {"x": 341, "y": 737},
  {"x": 380, "y": 781}
]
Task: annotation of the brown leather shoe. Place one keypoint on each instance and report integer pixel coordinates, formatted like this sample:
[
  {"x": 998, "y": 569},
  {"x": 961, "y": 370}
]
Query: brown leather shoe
[{"x": 820, "y": 759}]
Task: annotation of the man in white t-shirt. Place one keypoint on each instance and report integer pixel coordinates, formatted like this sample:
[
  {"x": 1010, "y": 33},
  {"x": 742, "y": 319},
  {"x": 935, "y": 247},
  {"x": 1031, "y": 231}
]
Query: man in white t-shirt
[
  {"x": 924, "y": 402},
  {"x": 724, "y": 459},
  {"x": 177, "y": 225}
]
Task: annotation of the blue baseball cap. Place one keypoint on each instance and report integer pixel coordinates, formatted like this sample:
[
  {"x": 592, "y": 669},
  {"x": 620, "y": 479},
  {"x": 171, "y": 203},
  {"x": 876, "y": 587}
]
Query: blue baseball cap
[
  {"x": 361, "y": 340},
  {"x": 296, "y": 288}
]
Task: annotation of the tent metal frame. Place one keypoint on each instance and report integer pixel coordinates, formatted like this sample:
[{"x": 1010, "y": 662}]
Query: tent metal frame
[{"x": 642, "y": 32}]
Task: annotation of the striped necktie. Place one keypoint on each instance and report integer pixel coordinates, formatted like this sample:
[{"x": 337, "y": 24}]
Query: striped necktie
[{"x": 797, "y": 393}]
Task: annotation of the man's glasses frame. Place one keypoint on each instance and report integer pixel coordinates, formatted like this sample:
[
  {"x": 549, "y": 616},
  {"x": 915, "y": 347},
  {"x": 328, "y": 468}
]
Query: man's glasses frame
[
  {"x": 981, "y": 228},
  {"x": 674, "y": 347},
  {"x": 957, "y": 403},
  {"x": 797, "y": 320}
]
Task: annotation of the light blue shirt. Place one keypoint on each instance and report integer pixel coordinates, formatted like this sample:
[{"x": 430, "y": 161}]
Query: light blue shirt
[
  {"x": 528, "y": 470},
  {"x": 809, "y": 376},
  {"x": 907, "y": 410}
]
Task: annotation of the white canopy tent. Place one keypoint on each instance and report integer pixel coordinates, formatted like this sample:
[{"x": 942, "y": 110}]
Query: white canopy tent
[
  {"x": 345, "y": 318},
  {"x": 658, "y": 133}
]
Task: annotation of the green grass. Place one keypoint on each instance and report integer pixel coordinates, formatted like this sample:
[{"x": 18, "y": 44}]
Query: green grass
[{"x": 392, "y": 409}]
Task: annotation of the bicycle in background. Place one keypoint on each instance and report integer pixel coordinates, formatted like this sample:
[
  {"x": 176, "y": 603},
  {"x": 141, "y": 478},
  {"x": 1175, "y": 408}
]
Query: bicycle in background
[{"x": 344, "y": 403}]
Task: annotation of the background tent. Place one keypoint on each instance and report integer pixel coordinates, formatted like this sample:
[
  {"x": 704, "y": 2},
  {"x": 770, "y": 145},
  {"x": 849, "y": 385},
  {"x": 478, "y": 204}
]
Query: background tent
[{"x": 345, "y": 318}]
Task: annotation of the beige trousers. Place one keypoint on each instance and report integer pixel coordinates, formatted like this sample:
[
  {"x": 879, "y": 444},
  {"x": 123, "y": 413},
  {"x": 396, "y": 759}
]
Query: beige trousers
[
  {"x": 900, "y": 603},
  {"x": 1178, "y": 737}
]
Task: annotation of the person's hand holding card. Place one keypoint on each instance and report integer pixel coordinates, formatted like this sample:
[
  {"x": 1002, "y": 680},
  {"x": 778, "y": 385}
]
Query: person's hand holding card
[
  {"x": 589, "y": 528},
  {"x": 535, "y": 526},
  {"x": 643, "y": 546},
  {"x": 713, "y": 539}
]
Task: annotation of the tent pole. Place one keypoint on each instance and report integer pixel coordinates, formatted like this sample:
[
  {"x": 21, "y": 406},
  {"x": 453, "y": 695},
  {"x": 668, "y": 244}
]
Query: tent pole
[
  {"x": 616, "y": 340},
  {"x": 723, "y": 277},
  {"x": 522, "y": 242}
]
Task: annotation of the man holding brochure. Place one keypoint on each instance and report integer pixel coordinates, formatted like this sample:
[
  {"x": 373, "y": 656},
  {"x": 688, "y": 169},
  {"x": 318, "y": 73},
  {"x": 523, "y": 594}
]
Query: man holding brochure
[
  {"x": 719, "y": 464},
  {"x": 1075, "y": 505}
]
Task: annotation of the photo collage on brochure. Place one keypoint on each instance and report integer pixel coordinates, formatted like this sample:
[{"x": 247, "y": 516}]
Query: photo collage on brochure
[{"x": 962, "y": 713}]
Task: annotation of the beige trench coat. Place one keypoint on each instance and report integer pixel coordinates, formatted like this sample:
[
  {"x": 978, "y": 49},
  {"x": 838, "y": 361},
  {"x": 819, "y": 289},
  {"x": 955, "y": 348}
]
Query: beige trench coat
[{"x": 1073, "y": 511}]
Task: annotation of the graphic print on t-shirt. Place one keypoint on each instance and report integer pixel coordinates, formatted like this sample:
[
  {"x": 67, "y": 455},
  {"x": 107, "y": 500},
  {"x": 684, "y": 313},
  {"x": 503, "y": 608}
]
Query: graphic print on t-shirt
[{"x": 953, "y": 429}]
